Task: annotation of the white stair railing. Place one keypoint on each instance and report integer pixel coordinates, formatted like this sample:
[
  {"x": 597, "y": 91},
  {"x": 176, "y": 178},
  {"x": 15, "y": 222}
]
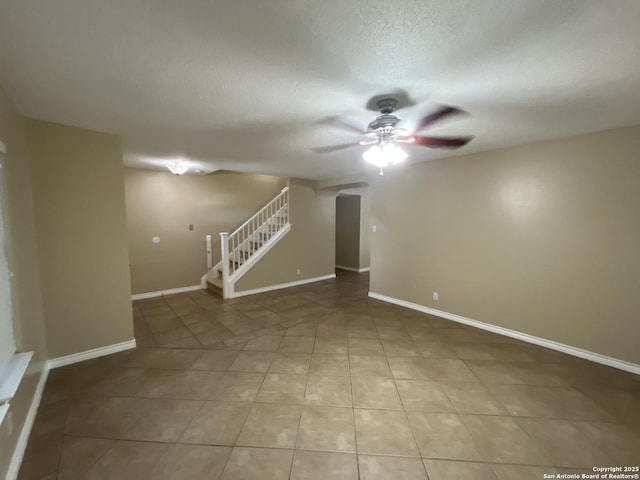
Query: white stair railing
[{"x": 238, "y": 247}]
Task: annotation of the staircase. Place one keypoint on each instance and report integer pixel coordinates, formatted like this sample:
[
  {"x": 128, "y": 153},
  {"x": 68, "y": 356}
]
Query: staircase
[{"x": 243, "y": 248}]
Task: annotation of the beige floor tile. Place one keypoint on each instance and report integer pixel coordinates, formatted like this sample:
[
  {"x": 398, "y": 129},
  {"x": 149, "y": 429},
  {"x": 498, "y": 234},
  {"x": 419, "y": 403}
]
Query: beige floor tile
[
  {"x": 128, "y": 461},
  {"x": 473, "y": 398},
  {"x": 408, "y": 368},
  {"x": 548, "y": 402},
  {"x": 448, "y": 470},
  {"x": 384, "y": 432},
  {"x": 375, "y": 392},
  {"x": 111, "y": 419},
  {"x": 369, "y": 366},
  {"x": 237, "y": 387},
  {"x": 365, "y": 346},
  {"x": 502, "y": 440},
  {"x": 191, "y": 462},
  {"x": 163, "y": 420},
  {"x": 447, "y": 370},
  {"x": 267, "y": 343},
  {"x": 330, "y": 345},
  {"x": 324, "y": 466},
  {"x": 623, "y": 405},
  {"x": 536, "y": 373},
  {"x": 620, "y": 442},
  {"x": 424, "y": 396},
  {"x": 437, "y": 349},
  {"x": 394, "y": 335},
  {"x": 326, "y": 390},
  {"x": 522, "y": 472},
  {"x": 252, "y": 362},
  {"x": 282, "y": 388},
  {"x": 331, "y": 330},
  {"x": 564, "y": 444},
  {"x": 189, "y": 384},
  {"x": 258, "y": 463},
  {"x": 41, "y": 456},
  {"x": 376, "y": 467},
  {"x": 297, "y": 344},
  {"x": 490, "y": 371},
  {"x": 291, "y": 362},
  {"x": 217, "y": 423},
  {"x": 443, "y": 435},
  {"x": 219, "y": 360},
  {"x": 167, "y": 358},
  {"x": 329, "y": 364},
  {"x": 273, "y": 426},
  {"x": 305, "y": 329},
  {"x": 514, "y": 352},
  {"x": 401, "y": 349},
  {"x": 473, "y": 351},
  {"x": 458, "y": 335},
  {"x": 79, "y": 454},
  {"x": 362, "y": 332},
  {"x": 327, "y": 429},
  {"x": 213, "y": 337}
]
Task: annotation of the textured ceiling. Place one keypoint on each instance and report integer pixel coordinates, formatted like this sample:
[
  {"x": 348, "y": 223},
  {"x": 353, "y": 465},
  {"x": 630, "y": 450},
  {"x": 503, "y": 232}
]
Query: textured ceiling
[{"x": 247, "y": 84}]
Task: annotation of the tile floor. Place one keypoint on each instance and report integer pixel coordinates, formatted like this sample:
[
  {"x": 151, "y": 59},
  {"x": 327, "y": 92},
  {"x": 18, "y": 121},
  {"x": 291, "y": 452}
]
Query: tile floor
[{"x": 321, "y": 382}]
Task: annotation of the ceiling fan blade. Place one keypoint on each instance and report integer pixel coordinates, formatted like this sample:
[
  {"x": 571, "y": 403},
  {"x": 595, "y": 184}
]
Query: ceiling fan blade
[
  {"x": 441, "y": 142},
  {"x": 334, "y": 148},
  {"x": 344, "y": 125},
  {"x": 443, "y": 112}
]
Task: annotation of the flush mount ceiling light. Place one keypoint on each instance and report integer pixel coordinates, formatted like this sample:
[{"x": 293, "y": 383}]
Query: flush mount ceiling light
[{"x": 177, "y": 168}]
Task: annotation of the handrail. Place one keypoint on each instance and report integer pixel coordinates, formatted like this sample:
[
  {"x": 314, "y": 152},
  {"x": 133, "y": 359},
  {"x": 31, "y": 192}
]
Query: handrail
[
  {"x": 255, "y": 215},
  {"x": 238, "y": 247}
]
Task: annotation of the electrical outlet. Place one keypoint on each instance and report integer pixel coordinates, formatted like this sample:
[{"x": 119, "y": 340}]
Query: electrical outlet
[
  {"x": 436, "y": 296},
  {"x": 374, "y": 228},
  {"x": 298, "y": 272}
]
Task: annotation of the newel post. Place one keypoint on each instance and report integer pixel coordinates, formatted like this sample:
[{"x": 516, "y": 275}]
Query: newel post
[{"x": 224, "y": 246}]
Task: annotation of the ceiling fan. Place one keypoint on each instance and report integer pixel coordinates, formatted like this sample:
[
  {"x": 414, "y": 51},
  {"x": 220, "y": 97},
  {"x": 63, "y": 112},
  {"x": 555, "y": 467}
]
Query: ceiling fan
[{"x": 384, "y": 134}]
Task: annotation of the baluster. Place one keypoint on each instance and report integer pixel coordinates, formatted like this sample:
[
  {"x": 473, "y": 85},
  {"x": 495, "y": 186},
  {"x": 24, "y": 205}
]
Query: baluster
[{"x": 224, "y": 247}]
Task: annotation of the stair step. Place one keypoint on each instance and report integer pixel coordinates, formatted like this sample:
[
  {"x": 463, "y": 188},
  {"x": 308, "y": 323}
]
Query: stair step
[{"x": 214, "y": 285}]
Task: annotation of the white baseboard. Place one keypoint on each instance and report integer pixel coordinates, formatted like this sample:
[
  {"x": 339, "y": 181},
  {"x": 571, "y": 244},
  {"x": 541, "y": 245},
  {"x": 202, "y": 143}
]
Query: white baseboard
[
  {"x": 282, "y": 285},
  {"x": 543, "y": 342},
  {"x": 23, "y": 438},
  {"x": 352, "y": 269},
  {"x": 159, "y": 293},
  {"x": 89, "y": 354}
]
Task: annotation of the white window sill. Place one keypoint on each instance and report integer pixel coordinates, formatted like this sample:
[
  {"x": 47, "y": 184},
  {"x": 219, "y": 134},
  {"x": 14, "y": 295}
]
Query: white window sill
[{"x": 10, "y": 377}]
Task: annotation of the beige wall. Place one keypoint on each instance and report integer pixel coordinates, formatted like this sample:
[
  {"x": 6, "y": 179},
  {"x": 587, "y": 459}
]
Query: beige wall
[
  {"x": 164, "y": 205},
  {"x": 78, "y": 193},
  {"x": 348, "y": 231},
  {"x": 23, "y": 258},
  {"x": 542, "y": 239},
  {"x": 309, "y": 246}
]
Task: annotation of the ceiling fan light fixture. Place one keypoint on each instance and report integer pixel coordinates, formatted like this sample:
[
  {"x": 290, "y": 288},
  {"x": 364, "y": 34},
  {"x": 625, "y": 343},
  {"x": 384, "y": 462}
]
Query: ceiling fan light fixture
[
  {"x": 177, "y": 168},
  {"x": 384, "y": 154}
]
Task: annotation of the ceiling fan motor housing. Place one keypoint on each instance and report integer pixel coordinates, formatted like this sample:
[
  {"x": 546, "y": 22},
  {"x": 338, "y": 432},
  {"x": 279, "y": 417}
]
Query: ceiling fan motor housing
[{"x": 384, "y": 121}]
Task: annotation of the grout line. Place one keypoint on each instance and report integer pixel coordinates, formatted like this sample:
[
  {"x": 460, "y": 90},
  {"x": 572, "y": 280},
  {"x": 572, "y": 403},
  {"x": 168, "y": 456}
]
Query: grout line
[{"x": 353, "y": 414}]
